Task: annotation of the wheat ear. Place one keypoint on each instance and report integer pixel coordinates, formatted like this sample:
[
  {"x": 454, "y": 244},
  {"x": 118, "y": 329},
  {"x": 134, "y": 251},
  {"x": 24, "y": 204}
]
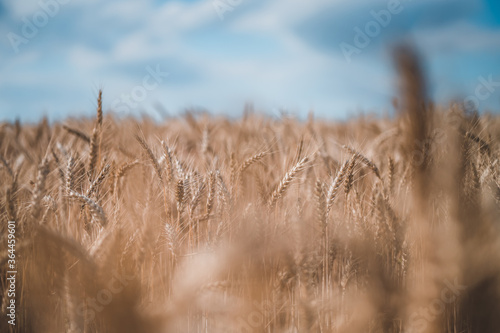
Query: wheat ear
[
  {"x": 364, "y": 159},
  {"x": 196, "y": 198},
  {"x": 151, "y": 156},
  {"x": 121, "y": 172},
  {"x": 96, "y": 210},
  {"x": 211, "y": 193},
  {"x": 43, "y": 171},
  {"x": 94, "y": 147},
  {"x": 287, "y": 180},
  {"x": 99, "y": 108},
  {"x": 168, "y": 158},
  {"x": 98, "y": 181},
  {"x": 95, "y": 140},
  {"x": 349, "y": 177},
  {"x": 321, "y": 204},
  {"x": 335, "y": 186},
  {"x": 251, "y": 160}
]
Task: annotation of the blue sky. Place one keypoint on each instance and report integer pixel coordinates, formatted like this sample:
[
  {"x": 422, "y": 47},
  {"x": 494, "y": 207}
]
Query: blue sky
[{"x": 280, "y": 55}]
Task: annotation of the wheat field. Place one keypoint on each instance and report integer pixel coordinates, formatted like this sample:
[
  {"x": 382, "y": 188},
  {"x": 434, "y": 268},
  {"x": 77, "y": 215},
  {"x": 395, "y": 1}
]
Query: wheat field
[{"x": 206, "y": 224}]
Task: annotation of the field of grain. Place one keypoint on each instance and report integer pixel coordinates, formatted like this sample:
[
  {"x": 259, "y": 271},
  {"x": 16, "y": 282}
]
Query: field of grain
[{"x": 206, "y": 224}]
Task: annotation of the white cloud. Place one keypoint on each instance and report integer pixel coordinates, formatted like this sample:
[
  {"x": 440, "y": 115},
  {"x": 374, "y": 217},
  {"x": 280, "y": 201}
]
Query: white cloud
[
  {"x": 226, "y": 82},
  {"x": 281, "y": 68},
  {"x": 132, "y": 10},
  {"x": 85, "y": 58}
]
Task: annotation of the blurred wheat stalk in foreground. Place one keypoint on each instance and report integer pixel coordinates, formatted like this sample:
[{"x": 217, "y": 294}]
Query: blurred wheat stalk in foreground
[{"x": 201, "y": 224}]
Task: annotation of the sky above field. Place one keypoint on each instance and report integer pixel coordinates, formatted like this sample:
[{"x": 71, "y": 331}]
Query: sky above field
[{"x": 154, "y": 56}]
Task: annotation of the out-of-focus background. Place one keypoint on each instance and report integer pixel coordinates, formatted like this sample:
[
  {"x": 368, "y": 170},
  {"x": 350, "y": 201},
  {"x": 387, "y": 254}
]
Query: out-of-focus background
[{"x": 161, "y": 57}]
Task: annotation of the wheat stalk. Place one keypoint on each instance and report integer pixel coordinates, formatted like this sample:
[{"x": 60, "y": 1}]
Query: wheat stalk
[
  {"x": 335, "y": 186},
  {"x": 285, "y": 182},
  {"x": 99, "y": 109},
  {"x": 349, "y": 176},
  {"x": 95, "y": 140},
  {"x": 95, "y": 209},
  {"x": 94, "y": 148},
  {"x": 168, "y": 158},
  {"x": 151, "y": 157},
  {"x": 39, "y": 192},
  {"x": 211, "y": 193},
  {"x": 197, "y": 198},
  {"x": 364, "y": 159},
  {"x": 77, "y": 133},
  {"x": 98, "y": 181}
]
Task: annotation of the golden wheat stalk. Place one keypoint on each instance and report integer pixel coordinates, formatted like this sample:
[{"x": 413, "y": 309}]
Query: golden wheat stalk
[
  {"x": 95, "y": 209},
  {"x": 39, "y": 191},
  {"x": 77, "y": 133},
  {"x": 363, "y": 159},
  {"x": 94, "y": 151},
  {"x": 151, "y": 157},
  {"x": 98, "y": 181},
  {"x": 335, "y": 186},
  {"x": 169, "y": 161},
  {"x": 285, "y": 182},
  {"x": 349, "y": 176}
]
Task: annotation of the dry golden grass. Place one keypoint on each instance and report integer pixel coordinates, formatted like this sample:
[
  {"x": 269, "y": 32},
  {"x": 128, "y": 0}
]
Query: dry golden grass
[{"x": 203, "y": 224}]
